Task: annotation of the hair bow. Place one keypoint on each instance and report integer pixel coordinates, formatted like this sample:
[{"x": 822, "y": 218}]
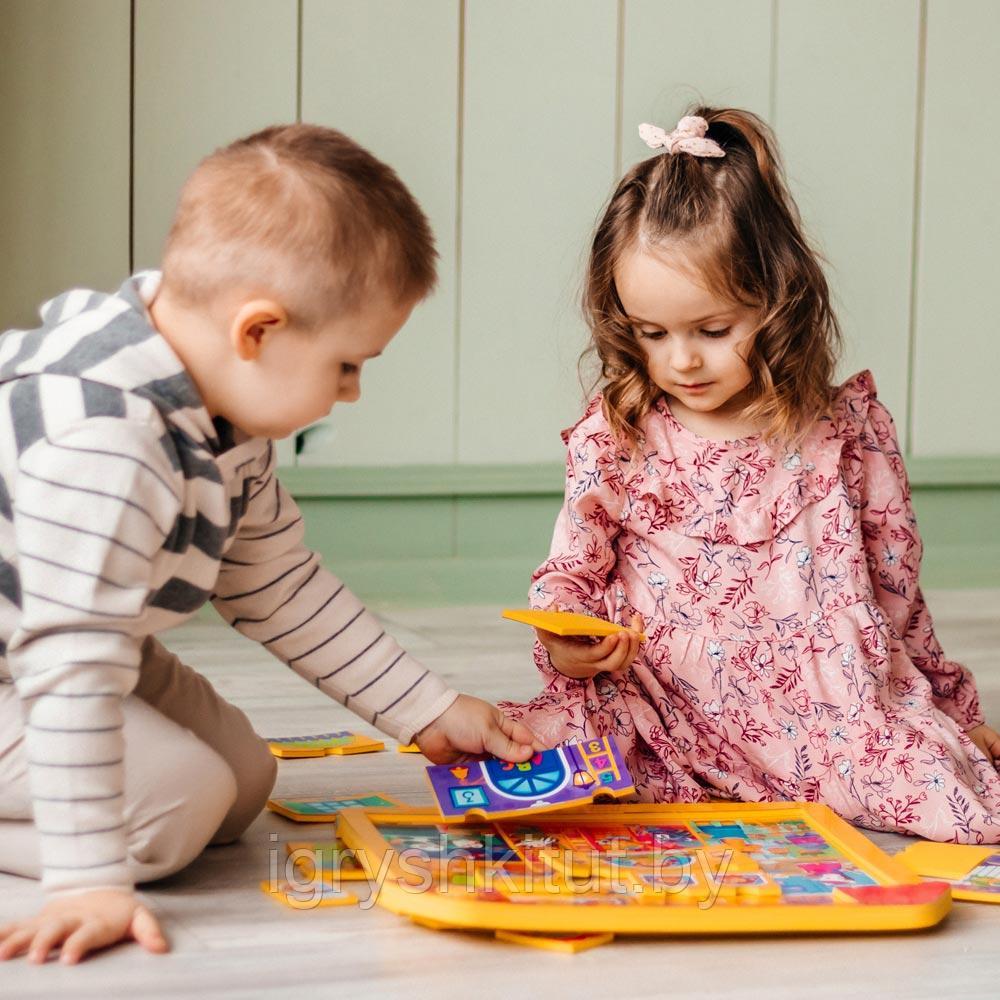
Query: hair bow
[{"x": 688, "y": 137}]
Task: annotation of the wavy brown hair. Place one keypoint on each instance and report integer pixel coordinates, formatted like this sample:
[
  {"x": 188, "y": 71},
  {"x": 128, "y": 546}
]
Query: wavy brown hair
[{"x": 733, "y": 218}]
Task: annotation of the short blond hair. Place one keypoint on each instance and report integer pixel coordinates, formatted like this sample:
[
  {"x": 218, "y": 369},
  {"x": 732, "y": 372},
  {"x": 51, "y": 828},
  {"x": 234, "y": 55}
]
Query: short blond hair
[{"x": 302, "y": 212}]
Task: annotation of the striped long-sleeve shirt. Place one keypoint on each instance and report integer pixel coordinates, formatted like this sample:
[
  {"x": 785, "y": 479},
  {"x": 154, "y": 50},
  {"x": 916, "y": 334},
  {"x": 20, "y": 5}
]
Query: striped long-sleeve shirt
[{"x": 123, "y": 508}]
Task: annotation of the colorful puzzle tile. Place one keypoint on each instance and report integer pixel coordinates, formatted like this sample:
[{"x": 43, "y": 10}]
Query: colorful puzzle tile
[
  {"x": 972, "y": 871},
  {"x": 476, "y": 844},
  {"x": 721, "y": 832},
  {"x": 553, "y": 779},
  {"x": 514, "y": 878},
  {"x": 329, "y": 860},
  {"x": 801, "y": 885},
  {"x": 528, "y": 842},
  {"x": 300, "y": 897},
  {"x": 894, "y": 895},
  {"x": 668, "y": 837},
  {"x": 324, "y": 810},
  {"x": 408, "y": 748},
  {"x": 757, "y": 887},
  {"x": 323, "y": 745}
]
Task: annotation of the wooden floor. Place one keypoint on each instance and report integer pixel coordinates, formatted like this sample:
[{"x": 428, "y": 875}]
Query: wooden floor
[{"x": 229, "y": 940}]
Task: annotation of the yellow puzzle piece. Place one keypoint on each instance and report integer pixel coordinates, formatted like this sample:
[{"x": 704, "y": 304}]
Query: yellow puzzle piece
[
  {"x": 565, "y": 622},
  {"x": 323, "y": 745},
  {"x": 972, "y": 871}
]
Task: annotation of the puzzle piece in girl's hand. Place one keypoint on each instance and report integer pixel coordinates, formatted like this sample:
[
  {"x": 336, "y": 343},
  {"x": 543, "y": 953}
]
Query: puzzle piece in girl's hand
[
  {"x": 322, "y": 745},
  {"x": 408, "y": 748},
  {"x": 300, "y": 897},
  {"x": 565, "y": 622},
  {"x": 321, "y": 810},
  {"x": 553, "y": 779}
]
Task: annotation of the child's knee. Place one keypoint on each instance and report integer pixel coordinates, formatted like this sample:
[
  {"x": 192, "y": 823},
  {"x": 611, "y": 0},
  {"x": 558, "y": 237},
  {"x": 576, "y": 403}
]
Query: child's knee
[
  {"x": 255, "y": 779},
  {"x": 193, "y": 795}
]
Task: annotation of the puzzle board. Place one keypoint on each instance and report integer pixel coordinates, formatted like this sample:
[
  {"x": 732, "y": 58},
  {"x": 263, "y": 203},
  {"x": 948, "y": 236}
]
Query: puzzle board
[{"x": 642, "y": 869}]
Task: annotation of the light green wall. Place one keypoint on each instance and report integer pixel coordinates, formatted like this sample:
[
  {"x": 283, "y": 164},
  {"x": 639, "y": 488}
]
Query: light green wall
[
  {"x": 510, "y": 119},
  {"x": 64, "y": 170}
]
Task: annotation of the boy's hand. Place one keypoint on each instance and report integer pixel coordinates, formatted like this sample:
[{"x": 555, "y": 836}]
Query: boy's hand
[
  {"x": 581, "y": 659},
  {"x": 472, "y": 728},
  {"x": 988, "y": 740},
  {"x": 82, "y": 923}
]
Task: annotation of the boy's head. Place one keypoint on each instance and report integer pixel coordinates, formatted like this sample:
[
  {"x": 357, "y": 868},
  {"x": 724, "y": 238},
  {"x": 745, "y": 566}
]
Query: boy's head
[
  {"x": 304, "y": 254},
  {"x": 304, "y": 214}
]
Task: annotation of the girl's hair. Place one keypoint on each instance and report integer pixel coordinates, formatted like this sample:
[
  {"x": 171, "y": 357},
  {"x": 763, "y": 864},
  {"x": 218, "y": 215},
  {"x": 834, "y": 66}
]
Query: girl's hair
[{"x": 734, "y": 219}]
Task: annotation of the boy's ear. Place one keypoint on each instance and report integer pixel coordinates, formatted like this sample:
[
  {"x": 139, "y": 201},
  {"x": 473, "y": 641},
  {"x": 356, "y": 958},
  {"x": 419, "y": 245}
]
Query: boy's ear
[{"x": 252, "y": 322}]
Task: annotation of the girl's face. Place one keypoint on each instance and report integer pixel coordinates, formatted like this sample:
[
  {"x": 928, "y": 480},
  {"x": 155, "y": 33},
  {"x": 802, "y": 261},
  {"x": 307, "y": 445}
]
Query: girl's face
[{"x": 695, "y": 344}]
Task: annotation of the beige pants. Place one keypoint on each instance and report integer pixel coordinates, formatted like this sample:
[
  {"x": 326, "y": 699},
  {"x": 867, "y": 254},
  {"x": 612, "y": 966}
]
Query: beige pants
[{"x": 195, "y": 772}]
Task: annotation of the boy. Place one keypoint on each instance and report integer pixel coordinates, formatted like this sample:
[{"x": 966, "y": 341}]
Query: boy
[{"x": 137, "y": 481}]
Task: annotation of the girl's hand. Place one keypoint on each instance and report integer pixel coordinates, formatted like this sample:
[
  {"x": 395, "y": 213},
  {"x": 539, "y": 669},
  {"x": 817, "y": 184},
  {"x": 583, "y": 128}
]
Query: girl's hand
[
  {"x": 581, "y": 659},
  {"x": 81, "y": 923},
  {"x": 988, "y": 740},
  {"x": 471, "y": 728}
]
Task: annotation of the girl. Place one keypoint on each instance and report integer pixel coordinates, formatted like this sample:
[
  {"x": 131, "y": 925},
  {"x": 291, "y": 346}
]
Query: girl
[{"x": 755, "y": 520}]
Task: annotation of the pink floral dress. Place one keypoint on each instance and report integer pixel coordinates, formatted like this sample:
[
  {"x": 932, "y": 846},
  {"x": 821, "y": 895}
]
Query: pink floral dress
[{"x": 790, "y": 654}]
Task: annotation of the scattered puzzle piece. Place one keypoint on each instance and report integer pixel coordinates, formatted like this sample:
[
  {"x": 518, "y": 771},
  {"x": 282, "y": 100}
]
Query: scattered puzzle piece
[
  {"x": 973, "y": 872},
  {"x": 408, "y": 748},
  {"x": 310, "y": 897},
  {"x": 565, "y": 622},
  {"x": 330, "y": 860},
  {"x": 323, "y": 810},
  {"x": 569, "y": 944},
  {"x": 947, "y": 861},
  {"x": 323, "y": 745}
]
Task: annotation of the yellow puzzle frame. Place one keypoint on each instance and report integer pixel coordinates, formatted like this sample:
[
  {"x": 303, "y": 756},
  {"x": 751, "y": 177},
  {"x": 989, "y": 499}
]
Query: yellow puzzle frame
[{"x": 923, "y": 906}]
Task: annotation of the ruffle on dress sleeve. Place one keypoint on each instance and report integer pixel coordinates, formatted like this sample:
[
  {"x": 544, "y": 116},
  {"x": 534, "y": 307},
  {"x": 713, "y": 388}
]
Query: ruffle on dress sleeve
[
  {"x": 594, "y": 406},
  {"x": 575, "y": 575},
  {"x": 783, "y": 484}
]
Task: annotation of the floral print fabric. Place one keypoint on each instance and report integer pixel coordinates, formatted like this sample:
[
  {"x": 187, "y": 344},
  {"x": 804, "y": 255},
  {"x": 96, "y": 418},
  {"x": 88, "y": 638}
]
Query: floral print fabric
[{"x": 790, "y": 654}]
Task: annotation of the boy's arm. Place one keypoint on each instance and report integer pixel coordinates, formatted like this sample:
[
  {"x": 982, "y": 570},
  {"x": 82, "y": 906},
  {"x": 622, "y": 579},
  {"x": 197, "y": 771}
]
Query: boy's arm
[
  {"x": 894, "y": 549},
  {"x": 92, "y": 505},
  {"x": 274, "y": 590}
]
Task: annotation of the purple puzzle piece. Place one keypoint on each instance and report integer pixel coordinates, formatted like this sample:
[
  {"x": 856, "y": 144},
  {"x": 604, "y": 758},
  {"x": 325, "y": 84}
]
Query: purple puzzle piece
[{"x": 552, "y": 779}]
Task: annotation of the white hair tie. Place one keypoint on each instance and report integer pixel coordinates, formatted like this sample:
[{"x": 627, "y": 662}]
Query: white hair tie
[{"x": 688, "y": 137}]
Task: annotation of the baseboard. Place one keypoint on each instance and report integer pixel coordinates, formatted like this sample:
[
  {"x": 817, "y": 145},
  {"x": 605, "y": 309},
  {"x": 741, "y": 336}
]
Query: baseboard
[{"x": 427, "y": 535}]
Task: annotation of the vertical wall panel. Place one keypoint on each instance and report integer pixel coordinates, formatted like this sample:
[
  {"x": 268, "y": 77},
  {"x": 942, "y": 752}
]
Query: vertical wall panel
[
  {"x": 64, "y": 117},
  {"x": 689, "y": 51},
  {"x": 957, "y": 406},
  {"x": 205, "y": 73},
  {"x": 538, "y": 162},
  {"x": 845, "y": 116},
  {"x": 386, "y": 73}
]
